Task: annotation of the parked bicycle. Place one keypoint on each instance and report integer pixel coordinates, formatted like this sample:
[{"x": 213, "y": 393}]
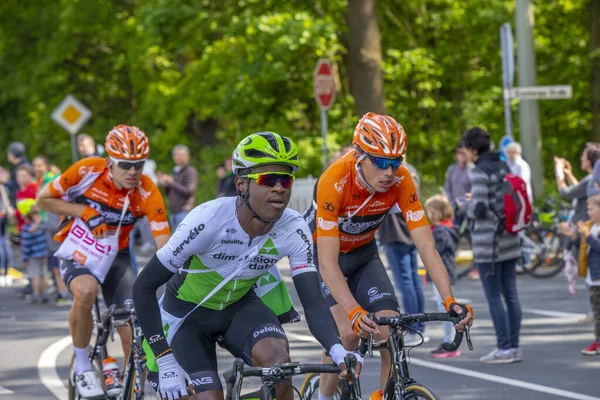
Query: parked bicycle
[
  {"x": 400, "y": 385},
  {"x": 280, "y": 373},
  {"x": 134, "y": 374}
]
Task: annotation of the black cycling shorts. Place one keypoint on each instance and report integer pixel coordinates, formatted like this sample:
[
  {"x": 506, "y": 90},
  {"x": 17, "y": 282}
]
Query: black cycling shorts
[
  {"x": 237, "y": 328},
  {"x": 367, "y": 279},
  {"x": 118, "y": 284}
]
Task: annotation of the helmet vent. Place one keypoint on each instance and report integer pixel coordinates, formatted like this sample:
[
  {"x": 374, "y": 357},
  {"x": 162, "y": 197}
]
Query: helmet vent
[{"x": 253, "y": 153}]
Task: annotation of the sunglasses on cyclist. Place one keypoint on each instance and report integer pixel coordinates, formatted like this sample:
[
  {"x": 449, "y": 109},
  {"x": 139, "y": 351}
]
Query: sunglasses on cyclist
[
  {"x": 272, "y": 178},
  {"x": 385, "y": 163},
  {"x": 127, "y": 165}
]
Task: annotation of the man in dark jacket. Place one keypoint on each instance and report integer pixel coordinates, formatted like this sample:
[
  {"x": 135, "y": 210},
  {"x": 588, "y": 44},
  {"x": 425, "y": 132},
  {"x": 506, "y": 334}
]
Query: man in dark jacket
[
  {"x": 494, "y": 249},
  {"x": 16, "y": 157},
  {"x": 180, "y": 186}
]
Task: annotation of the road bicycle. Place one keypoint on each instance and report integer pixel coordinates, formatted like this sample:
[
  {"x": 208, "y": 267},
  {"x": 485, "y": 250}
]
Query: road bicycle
[
  {"x": 399, "y": 386},
  {"x": 281, "y": 373},
  {"x": 134, "y": 375}
]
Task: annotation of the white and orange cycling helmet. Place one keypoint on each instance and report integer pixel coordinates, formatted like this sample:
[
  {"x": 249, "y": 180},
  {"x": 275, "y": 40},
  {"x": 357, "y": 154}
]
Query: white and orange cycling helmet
[
  {"x": 125, "y": 142},
  {"x": 380, "y": 135}
]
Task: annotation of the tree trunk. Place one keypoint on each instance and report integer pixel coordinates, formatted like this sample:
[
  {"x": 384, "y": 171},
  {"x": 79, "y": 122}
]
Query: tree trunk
[
  {"x": 202, "y": 131},
  {"x": 595, "y": 64},
  {"x": 364, "y": 51}
]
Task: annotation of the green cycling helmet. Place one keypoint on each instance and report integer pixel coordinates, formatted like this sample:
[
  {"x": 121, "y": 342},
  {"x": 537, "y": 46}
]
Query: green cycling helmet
[{"x": 264, "y": 148}]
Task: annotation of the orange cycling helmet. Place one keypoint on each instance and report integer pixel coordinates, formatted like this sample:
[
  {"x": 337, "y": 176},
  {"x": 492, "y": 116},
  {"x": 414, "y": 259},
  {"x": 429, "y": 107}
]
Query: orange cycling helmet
[
  {"x": 380, "y": 135},
  {"x": 126, "y": 142}
]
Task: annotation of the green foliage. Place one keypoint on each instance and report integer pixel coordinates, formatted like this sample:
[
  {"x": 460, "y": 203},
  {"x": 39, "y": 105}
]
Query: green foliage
[{"x": 248, "y": 64}]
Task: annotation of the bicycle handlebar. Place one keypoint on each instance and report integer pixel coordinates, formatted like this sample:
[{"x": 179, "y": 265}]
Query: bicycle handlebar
[
  {"x": 403, "y": 321},
  {"x": 107, "y": 321}
]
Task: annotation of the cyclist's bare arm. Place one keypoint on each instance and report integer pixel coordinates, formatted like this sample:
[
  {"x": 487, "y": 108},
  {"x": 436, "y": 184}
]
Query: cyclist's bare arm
[
  {"x": 47, "y": 202},
  {"x": 434, "y": 265},
  {"x": 328, "y": 250},
  {"x": 161, "y": 240}
]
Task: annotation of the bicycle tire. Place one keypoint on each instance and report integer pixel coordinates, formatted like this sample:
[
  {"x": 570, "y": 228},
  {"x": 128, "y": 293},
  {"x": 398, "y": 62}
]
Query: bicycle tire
[
  {"x": 130, "y": 386},
  {"x": 416, "y": 391},
  {"x": 310, "y": 388},
  {"x": 551, "y": 261}
]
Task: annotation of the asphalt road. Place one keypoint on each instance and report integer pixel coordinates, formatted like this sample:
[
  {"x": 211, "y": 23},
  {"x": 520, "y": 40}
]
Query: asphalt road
[{"x": 36, "y": 350}]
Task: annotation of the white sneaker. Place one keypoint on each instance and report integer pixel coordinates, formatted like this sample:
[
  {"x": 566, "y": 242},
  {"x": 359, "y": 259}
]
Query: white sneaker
[
  {"x": 2, "y": 281},
  {"x": 9, "y": 280},
  {"x": 88, "y": 385},
  {"x": 498, "y": 356}
]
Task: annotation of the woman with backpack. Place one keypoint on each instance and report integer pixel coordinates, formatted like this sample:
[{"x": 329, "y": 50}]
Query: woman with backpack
[{"x": 495, "y": 250}]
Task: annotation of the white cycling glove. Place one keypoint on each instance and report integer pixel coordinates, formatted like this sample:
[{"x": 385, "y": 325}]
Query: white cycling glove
[
  {"x": 338, "y": 352},
  {"x": 172, "y": 379}
]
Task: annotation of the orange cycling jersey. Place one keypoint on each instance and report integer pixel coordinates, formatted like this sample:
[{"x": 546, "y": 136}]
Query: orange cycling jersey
[
  {"x": 343, "y": 207},
  {"x": 90, "y": 182}
]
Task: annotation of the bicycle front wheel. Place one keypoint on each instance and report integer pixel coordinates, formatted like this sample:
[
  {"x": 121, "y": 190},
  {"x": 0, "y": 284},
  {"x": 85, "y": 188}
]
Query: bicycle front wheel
[
  {"x": 545, "y": 247},
  {"x": 310, "y": 388},
  {"x": 416, "y": 391}
]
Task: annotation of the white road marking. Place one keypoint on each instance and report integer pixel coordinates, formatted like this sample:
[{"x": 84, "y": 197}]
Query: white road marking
[
  {"x": 47, "y": 368},
  {"x": 4, "y": 390},
  {"x": 506, "y": 381},
  {"x": 557, "y": 314}
]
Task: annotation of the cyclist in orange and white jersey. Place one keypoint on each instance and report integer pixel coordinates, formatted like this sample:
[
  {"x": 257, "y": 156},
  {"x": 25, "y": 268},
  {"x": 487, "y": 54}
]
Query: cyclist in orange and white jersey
[
  {"x": 95, "y": 189},
  {"x": 352, "y": 197}
]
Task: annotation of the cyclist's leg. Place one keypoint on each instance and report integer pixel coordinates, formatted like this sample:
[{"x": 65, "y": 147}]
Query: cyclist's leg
[
  {"x": 374, "y": 291},
  {"x": 84, "y": 287},
  {"x": 194, "y": 349},
  {"x": 116, "y": 289},
  {"x": 256, "y": 335}
]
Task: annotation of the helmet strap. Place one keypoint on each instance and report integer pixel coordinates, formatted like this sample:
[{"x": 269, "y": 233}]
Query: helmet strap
[
  {"x": 246, "y": 197},
  {"x": 361, "y": 177}
]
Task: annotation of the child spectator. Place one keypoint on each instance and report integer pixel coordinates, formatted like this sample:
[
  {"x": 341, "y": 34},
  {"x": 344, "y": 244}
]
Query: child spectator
[
  {"x": 589, "y": 264},
  {"x": 440, "y": 214},
  {"x": 34, "y": 249},
  {"x": 27, "y": 190}
]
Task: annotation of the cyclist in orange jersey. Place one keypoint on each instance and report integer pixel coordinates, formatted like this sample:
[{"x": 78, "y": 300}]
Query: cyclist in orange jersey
[
  {"x": 351, "y": 199},
  {"x": 96, "y": 190}
]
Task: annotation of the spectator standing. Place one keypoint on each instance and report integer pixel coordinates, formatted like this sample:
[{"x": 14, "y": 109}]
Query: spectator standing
[
  {"x": 34, "y": 249},
  {"x": 458, "y": 182},
  {"x": 440, "y": 215},
  {"x": 27, "y": 190},
  {"x": 86, "y": 145},
  {"x": 519, "y": 166},
  {"x": 16, "y": 157},
  {"x": 495, "y": 250},
  {"x": 180, "y": 186},
  {"x": 221, "y": 173},
  {"x": 229, "y": 188},
  {"x": 6, "y": 211},
  {"x": 401, "y": 253},
  {"x": 589, "y": 265}
]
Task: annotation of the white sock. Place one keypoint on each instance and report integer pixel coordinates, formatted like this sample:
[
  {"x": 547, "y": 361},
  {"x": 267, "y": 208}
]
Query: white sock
[
  {"x": 321, "y": 397},
  {"x": 82, "y": 360}
]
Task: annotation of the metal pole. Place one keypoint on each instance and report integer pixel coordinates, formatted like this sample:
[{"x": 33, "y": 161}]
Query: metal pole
[
  {"x": 529, "y": 114},
  {"x": 74, "y": 156},
  {"x": 324, "y": 137},
  {"x": 506, "y": 43}
]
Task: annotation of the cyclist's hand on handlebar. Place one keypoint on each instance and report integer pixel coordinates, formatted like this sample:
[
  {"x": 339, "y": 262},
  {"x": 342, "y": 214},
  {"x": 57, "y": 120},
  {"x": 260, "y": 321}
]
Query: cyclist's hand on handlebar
[
  {"x": 95, "y": 221},
  {"x": 171, "y": 379},
  {"x": 361, "y": 323},
  {"x": 452, "y": 306},
  {"x": 338, "y": 355}
]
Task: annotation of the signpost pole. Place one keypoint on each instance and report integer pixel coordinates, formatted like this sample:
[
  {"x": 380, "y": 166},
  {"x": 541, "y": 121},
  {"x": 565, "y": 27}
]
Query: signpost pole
[
  {"x": 74, "y": 156},
  {"x": 508, "y": 68},
  {"x": 324, "y": 136}
]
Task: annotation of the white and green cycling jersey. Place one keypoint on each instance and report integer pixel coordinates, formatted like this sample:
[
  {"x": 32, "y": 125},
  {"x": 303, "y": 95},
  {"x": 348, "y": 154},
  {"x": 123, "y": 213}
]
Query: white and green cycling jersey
[{"x": 210, "y": 246}]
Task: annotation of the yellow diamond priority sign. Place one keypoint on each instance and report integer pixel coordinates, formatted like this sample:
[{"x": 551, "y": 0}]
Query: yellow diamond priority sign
[{"x": 71, "y": 114}]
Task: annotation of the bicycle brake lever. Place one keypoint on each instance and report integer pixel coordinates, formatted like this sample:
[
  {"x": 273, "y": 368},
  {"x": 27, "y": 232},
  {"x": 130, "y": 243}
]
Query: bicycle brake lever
[
  {"x": 112, "y": 328},
  {"x": 468, "y": 336},
  {"x": 370, "y": 345}
]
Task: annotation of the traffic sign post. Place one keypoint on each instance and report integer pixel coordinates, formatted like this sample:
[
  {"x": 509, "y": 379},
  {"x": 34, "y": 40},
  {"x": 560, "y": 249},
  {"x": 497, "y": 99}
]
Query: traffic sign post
[
  {"x": 71, "y": 114},
  {"x": 325, "y": 91},
  {"x": 508, "y": 72}
]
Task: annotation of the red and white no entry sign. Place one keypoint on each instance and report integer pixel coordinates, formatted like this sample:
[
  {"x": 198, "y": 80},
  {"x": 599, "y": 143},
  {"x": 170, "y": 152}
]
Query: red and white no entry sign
[{"x": 324, "y": 84}]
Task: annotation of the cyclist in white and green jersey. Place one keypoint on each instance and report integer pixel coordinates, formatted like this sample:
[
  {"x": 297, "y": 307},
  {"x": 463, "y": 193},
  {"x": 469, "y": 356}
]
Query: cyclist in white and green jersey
[{"x": 222, "y": 282}]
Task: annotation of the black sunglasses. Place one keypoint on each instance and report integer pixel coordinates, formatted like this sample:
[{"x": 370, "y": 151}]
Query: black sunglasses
[{"x": 127, "y": 165}]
